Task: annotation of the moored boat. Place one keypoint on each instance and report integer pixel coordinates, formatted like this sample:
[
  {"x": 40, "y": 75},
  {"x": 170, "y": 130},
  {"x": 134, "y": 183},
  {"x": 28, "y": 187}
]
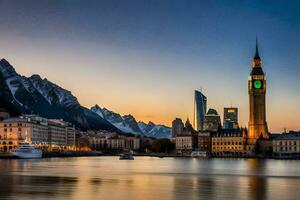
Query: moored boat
[
  {"x": 26, "y": 150},
  {"x": 199, "y": 154},
  {"x": 126, "y": 156}
]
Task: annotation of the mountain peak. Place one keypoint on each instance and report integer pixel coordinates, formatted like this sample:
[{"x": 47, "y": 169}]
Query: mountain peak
[
  {"x": 151, "y": 123},
  {"x": 4, "y": 60},
  {"x": 96, "y": 107},
  {"x": 36, "y": 76},
  {"x": 129, "y": 116},
  {"x": 7, "y": 69}
]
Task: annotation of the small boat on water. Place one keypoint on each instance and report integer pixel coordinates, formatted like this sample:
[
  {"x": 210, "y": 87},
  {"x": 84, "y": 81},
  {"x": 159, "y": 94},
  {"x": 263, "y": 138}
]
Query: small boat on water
[
  {"x": 27, "y": 150},
  {"x": 199, "y": 154},
  {"x": 126, "y": 156}
]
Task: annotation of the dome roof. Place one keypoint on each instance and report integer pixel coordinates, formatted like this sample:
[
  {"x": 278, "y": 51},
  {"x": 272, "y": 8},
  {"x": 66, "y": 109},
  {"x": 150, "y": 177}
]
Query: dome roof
[{"x": 212, "y": 112}]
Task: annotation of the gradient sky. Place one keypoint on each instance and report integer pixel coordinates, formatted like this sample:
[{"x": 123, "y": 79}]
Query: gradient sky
[{"x": 147, "y": 57}]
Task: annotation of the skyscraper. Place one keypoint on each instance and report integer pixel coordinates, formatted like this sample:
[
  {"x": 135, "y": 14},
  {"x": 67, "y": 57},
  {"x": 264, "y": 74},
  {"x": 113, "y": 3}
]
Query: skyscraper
[
  {"x": 200, "y": 102},
  {"x": 257, "y": 101},
  {"x": 230, "y": 120}
]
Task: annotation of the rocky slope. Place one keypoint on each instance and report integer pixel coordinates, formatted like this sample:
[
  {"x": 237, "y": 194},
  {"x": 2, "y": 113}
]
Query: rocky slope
[{"x": 34, "y": 95}]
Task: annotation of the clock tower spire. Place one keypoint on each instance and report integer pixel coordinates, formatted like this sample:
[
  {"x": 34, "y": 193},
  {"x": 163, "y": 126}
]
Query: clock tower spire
[
  {"x": 257, "y": 101},
  {"x": 256, "y": 59}
]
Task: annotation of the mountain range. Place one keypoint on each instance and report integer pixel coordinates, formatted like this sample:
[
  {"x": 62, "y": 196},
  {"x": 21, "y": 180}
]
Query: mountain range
[
  {"x": 35, "y": 95},
  {"x": 128, "y": 124}
]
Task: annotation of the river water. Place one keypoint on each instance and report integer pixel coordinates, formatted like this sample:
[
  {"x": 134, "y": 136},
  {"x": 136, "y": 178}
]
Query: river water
[{"x": 109, "y": 178}]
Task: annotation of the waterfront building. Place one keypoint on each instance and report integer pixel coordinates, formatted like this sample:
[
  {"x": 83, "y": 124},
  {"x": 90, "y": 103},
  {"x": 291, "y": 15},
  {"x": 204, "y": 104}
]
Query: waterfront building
[
  {"x": 177, "y": 127},
  {"x": 286, "y": 145},
  {"x": 204, "y": 141},
  {"x": 257, "y": 101},
  {"x": 186, "y": 142},
  {"x": 97, "y": 142},
  {"x": 212, "y": 120},
  {"x": 116, "y": 143},
  {"x": 70, "y": 136},
  {"x": 41, "y": 132},
  {"x": 57, "y": 134},
  {"x": 15, "y": 130},
  {"x": 61, "y": 134},
  {"x": 132, "y": 143},
  {"x": 82, "y": 141},
  {"x": 105, "y": 140},
  {"x": 230, "y": 119},
  {"x": 200, "y": 105},
  {"x": 231, "y": 142}
]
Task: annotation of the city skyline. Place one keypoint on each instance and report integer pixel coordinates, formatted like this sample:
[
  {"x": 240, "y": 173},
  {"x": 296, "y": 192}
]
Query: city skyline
[{"x": 161, "y": 64}]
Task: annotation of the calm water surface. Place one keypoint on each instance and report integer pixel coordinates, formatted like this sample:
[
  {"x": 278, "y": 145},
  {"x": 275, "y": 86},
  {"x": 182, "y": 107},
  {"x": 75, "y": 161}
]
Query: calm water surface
[{"x": 149, "y": 178}]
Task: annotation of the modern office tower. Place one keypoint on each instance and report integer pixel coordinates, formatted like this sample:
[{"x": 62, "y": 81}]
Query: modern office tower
[
  {"x": 212, "y": 120},
  {"x": 257, "y": 101},
  {"x": 177, "y": 127},
  {"x": 230, "y": 120},
  {"x": 200, "y": 102}
]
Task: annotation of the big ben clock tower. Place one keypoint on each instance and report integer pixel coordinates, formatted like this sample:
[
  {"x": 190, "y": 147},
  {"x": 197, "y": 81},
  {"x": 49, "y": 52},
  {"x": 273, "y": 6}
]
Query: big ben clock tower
[{"x": 257, "y": 102}]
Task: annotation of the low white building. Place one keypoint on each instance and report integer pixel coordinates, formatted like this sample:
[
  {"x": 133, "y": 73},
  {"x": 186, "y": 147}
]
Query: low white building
[
  {"x": 285, "y": 145},
  {"x": 116, "y": 142}
]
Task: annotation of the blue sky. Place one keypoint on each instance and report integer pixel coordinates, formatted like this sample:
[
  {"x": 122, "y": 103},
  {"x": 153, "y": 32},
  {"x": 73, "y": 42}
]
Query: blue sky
[{"x": 147, "y": 57}]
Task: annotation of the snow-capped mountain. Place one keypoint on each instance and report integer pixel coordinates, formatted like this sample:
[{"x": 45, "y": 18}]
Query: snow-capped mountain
[
  {"x": 34, "y": 95},
  {"x": 128, "y": 124},
  {"x": 125, "y": 123},
  {"x": 153, "y": 130}
]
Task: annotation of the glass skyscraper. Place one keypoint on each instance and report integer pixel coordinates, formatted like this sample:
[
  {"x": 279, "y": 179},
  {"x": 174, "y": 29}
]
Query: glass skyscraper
[
  {"x": 200, "y": 102},
  {"x": 230, "y": 119}
]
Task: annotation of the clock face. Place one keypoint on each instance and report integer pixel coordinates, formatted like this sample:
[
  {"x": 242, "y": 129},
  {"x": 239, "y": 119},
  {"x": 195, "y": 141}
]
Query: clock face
[{"x": 257, "y": 84}]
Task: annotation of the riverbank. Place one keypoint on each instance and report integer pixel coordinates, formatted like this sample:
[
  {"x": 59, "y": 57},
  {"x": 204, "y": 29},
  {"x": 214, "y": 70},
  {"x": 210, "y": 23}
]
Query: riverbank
[
  {"x": 159, "y": 155},
  {"x": 59, "y": 154}
]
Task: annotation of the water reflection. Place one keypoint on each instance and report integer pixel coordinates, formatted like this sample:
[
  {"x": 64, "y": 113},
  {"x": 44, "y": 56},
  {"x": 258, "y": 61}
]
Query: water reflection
[
  {"x": 35, "y": 186},
  {"x": 257, "y": 182},
  {"x": 149, "y": 178}
]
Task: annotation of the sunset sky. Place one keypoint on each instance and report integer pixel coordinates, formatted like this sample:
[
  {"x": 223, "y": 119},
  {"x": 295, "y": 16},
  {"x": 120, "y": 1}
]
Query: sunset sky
[{"x": 146, "y": 58}]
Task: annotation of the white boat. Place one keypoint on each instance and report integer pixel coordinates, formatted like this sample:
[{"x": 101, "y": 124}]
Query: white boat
[
  {"x": 27, "y": 150},
  {"x": 127, "y": 156},
  {"x": 199, "y": 154}
]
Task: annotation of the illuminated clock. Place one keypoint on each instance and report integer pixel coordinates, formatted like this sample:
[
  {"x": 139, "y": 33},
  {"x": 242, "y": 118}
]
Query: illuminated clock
[{"x": 257, "y": 84}]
